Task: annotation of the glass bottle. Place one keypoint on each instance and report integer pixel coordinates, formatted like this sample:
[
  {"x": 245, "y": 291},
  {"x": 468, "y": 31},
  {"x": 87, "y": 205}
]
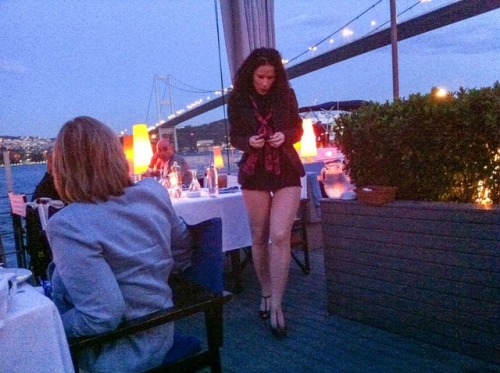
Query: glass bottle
[
  {"x": 176, "y": 169},
  {"x": 165, "y": 182},
  {"x": 175, "y": 189},
  {"x": 175, "y": 182},
  {"x": 212, "y": 181}
]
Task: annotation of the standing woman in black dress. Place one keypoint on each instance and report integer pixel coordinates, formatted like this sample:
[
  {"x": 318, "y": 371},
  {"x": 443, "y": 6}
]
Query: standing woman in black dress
[{"x": 264, "y": 124}]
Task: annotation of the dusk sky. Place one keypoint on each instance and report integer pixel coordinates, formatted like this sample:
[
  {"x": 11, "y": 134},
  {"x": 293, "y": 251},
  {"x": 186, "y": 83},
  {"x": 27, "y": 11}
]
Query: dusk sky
[{"x": 60, "y": 59}]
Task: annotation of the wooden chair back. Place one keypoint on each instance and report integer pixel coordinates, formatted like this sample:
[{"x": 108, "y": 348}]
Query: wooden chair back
[
  {"x": 18, "y": 203},
  {"x": 197, "y": 290},
  {"x": 38, "y": 213}
]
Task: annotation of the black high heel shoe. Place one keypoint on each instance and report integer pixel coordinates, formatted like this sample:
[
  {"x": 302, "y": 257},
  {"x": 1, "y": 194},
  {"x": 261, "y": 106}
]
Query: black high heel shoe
[
  {"x": 264, "y": 315},
  {"x": 279, "y": 331}
]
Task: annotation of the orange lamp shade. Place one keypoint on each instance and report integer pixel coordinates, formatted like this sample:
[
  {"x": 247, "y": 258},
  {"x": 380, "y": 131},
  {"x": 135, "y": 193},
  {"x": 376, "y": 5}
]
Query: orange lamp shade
[
  {"x": 142, "y": 148},
  {"x": 128, "y": 149},
  {"x": 218, "y": 161},
  {"x": 308, "y": 142}
]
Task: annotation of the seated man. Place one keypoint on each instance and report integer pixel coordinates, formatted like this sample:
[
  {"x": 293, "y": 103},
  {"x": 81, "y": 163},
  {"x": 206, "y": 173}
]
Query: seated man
[
  {"x": 46, "y": 187},
  {"x": 38, "y": 247},
  {"x": 164, "y": 158}
]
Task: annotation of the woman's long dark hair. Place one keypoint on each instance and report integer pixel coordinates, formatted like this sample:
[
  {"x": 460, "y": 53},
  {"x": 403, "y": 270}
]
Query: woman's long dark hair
[{"x": 243, "y": 82}]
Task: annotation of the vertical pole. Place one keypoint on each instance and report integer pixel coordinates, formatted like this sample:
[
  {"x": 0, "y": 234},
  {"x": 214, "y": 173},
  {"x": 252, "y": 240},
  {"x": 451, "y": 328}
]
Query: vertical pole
[
  {"x": 17, "y": 222},
  {"x": 8, "y": 178},
  {"x": 394, "y": 45},
  {"x": 170, "y": 95},
  {"x": 8, "y": 171},
  {"x": 176, "y": 146},
  {"x": 158, "y": 100}
]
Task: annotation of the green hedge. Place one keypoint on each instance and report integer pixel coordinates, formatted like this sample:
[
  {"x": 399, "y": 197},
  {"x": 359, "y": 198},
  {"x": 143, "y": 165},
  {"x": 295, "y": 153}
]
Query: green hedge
[{"x": 431, "y": 148}]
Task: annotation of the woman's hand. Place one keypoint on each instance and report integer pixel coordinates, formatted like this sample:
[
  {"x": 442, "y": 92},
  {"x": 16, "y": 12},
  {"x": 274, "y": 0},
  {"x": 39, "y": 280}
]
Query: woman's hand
[
  {"x": 257, "y": 141},
  {"x": 276, "y": 140}
]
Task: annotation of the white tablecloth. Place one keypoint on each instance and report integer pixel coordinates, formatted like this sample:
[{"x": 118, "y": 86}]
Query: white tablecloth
[
  {"x": 229, "y": 207},
  {"x": 32, "y": 338}
]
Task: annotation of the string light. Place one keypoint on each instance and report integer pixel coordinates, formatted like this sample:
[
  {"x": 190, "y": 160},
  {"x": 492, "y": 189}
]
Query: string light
[
  {"x": 337, "y": 31},
  {"x": 347, "y": 32},
  {"x": 373, "y": 23}
]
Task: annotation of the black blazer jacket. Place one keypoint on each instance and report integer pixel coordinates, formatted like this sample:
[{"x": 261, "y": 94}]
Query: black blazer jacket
[{"x": 286, "y": 119}]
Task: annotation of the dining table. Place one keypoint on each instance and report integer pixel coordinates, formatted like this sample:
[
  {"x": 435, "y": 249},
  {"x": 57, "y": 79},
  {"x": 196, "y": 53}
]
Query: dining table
[
  {"x": 32, "y": 337},
  {"x": 228, "y": 206}
]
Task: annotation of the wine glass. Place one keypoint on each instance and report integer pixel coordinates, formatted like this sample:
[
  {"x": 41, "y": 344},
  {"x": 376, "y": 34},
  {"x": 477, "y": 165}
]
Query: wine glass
[{"x": 195, "y": 184}]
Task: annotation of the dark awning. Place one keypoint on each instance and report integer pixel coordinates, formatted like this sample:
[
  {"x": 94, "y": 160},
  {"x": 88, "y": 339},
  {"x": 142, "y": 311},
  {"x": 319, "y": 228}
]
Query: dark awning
[{"x": 334, "y": 105}]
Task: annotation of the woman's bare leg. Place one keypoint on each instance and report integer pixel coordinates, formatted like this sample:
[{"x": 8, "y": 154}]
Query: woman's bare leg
[
  {"x": 258, "y": 205},
  {"x": 284, "y": 207}
]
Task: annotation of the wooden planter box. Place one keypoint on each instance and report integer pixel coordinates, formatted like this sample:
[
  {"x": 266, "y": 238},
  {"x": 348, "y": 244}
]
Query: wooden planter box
[{"x": 430, "y": 271}]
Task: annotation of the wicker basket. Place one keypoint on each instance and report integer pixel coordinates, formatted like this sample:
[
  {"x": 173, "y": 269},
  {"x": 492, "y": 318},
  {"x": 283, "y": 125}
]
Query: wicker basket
[{"x": 376, "y": 194}]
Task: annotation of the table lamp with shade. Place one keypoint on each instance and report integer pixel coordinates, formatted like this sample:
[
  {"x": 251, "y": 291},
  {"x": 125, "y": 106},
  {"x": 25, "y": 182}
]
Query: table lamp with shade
[
  {"x": 218, "y": 160},
  {"x": 335, "y": 181},
  {"x": 143, "y": 151},
  {"x": 128, "y": 149},
  {"x": 308, "y": 147},
  {"x": 219, "y": 164}
]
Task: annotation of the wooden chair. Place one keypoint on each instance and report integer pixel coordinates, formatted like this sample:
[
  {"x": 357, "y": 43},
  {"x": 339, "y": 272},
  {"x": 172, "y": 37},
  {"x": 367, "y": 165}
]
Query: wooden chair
[
  {"x": 29, "y": 220},
  {"x": 199, "y": 289},
  {"x": 18, "y": 204},
  {"x": 298, "y": 240},
  {"x": 309, "y": 212},
  {"x": 38, "y": 213}
]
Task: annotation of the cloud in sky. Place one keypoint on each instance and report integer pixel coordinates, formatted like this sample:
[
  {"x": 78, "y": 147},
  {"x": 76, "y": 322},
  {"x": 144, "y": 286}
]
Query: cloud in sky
[
  {"x": 472, "y": 36},
  {"x": 12, "y": 67}
]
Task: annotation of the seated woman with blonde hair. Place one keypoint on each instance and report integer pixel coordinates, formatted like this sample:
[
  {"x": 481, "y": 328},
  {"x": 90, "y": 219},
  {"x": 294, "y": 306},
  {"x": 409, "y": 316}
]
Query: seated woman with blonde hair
[{"x": 114, "y": 247}]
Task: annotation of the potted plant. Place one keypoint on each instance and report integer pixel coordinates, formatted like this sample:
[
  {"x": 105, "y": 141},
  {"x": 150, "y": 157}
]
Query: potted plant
[{"x": 425, "y": 265}]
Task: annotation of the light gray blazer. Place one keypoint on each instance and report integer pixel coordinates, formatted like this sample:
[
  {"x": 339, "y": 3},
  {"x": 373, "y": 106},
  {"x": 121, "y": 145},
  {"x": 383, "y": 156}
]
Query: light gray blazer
[{"x": 112, "y": 263}]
